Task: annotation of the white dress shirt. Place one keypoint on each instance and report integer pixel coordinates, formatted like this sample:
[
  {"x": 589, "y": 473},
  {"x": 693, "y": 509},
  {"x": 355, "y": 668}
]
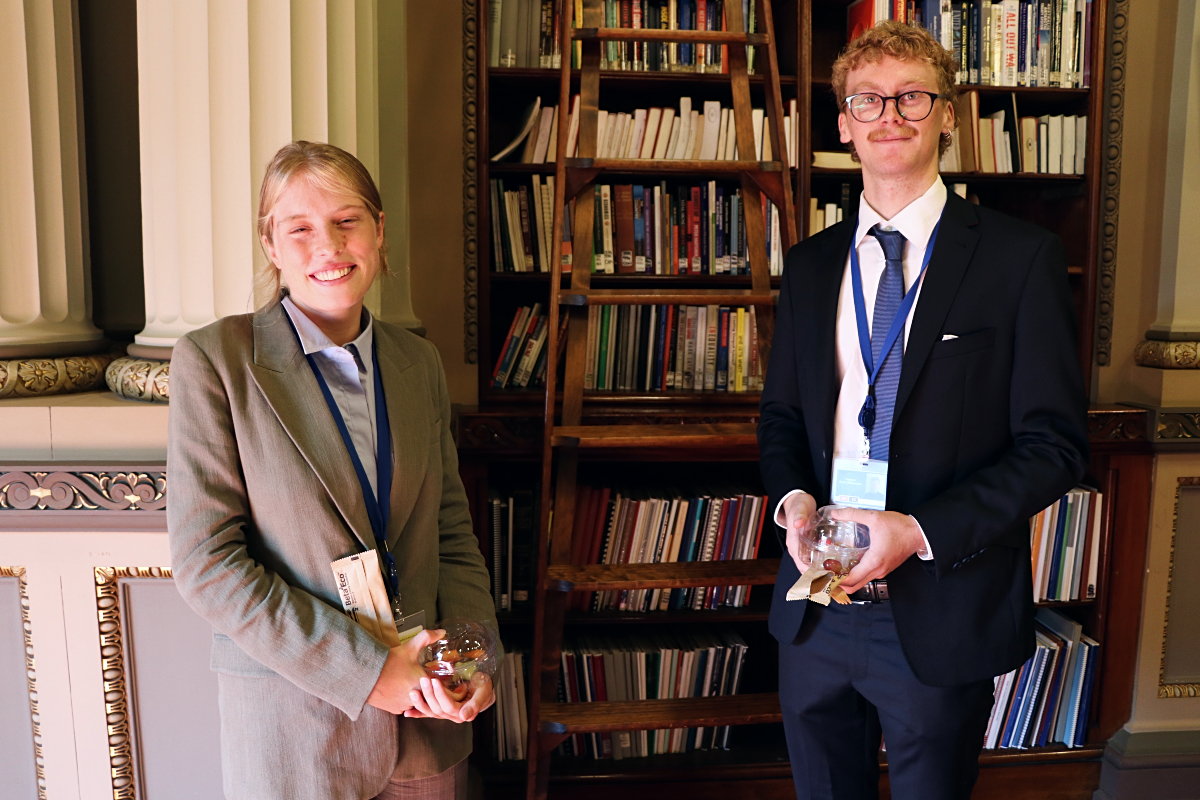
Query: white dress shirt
[
  {"x": 349, "y": 372},
  {"x": 916, "y": 221}
]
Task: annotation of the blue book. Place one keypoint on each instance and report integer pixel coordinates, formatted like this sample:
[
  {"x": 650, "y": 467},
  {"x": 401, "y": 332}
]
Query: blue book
[
  {"x": 1014, "y": 708},
  {"x": 639, "y": 229},
  {"x": 1085, "y": 700},
  {"x": 735, "y": 235},
  {"x": 683, "y": 17},
  {"x": 723, "y": 349},
  {"x": 1022, "y": 44},
  {"x": 687, "y": 543}
]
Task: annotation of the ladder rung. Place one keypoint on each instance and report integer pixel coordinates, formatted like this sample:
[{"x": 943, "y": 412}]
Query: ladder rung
[
  {"x": 643, "y": 715},
  {"x": 721, "y": 434},
  {"x": 660, "y": 35},
  {"x": 666, "y": 297},
  {"x": 685, "y": 165},
  {"x": 674, "y": 575}
]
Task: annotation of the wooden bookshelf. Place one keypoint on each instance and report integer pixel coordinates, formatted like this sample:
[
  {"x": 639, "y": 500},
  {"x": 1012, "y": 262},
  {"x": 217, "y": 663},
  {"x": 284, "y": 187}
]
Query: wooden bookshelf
[{"x": 504, "y": 436}]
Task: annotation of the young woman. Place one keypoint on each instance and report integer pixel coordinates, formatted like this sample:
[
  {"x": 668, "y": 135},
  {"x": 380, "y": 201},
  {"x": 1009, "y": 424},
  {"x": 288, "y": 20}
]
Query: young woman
[{"x": 301, "y": 434}]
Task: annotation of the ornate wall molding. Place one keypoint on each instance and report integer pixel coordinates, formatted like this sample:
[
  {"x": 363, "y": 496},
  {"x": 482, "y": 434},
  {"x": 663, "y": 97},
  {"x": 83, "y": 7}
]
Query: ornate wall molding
[
  {"x": 1167, "y": 355},
  {"x": 1178, "y": 425},
  {"x": 1170, "y": 690},
  {"x": 1106, "y": 425},
  {"x": 112, "y": 663},
  {"x": 1106, "y": 283},
  {"x": 30, "y": 677},
  {"x": 41, "y": 377},
  {"x": 83, "y": 491},
  {"x": 470, "y": 77},
  {"x": 145, "y": 379}
]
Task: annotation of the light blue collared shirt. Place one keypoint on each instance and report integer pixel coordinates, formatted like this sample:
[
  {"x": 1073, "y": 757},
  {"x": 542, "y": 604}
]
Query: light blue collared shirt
[{"x": 349, "y": 371}]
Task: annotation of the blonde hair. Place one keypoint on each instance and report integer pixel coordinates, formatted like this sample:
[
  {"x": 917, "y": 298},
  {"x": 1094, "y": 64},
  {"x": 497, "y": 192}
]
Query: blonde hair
[
  {"x": 326, "y": 167},
  {"x": 905, "y": 43}
]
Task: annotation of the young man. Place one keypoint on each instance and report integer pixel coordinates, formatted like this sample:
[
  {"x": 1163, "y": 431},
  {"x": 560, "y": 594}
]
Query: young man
[{"x": 950, "y": 362}]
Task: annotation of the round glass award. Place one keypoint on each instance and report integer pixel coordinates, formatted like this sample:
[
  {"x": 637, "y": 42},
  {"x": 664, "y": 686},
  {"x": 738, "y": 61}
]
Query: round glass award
[{"x": 836, "y": 545}]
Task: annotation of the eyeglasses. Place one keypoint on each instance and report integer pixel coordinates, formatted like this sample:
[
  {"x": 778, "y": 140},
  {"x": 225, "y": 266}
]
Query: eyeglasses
[{"x": 912, "y": 106}]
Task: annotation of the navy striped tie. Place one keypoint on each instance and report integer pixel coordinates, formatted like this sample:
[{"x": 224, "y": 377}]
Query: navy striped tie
[{"x": 887, "y": 304}]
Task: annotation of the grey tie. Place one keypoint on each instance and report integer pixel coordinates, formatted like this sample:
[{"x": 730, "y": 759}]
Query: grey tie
[{"x": 887, "y": 304}]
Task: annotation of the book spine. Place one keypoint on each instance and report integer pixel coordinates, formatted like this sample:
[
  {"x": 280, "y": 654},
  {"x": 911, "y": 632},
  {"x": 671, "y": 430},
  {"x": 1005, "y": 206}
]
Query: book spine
[{"x": 722, "y": 372}]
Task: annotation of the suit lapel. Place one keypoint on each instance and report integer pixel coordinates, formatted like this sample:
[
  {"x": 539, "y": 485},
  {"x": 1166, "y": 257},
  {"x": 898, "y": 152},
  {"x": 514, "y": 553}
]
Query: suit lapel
[
  {"x": 409, "y": 413},
  {"x": 956, "y": 242},
  {"x": 287, "y": 382},
  {"x": 816, "y": 308}
]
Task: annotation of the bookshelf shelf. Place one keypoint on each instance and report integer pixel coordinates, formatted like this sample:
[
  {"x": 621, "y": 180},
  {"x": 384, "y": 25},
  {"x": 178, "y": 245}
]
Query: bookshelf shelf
[
  {"x": 1028, "y": 92},
  {"x": 676, "y": 397},
  {"x": 640, "y": 715},
  {"x": 708, "y": 616},
  {"x": 600, "y": 577},
  {"x": 680, "y": 80},
  {"x": 639, "y": 280},
  {"x": 966, "y": 177}
]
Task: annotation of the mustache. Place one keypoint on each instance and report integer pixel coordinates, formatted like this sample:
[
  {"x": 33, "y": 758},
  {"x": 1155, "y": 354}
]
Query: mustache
[{"x": 903, "y": 132}]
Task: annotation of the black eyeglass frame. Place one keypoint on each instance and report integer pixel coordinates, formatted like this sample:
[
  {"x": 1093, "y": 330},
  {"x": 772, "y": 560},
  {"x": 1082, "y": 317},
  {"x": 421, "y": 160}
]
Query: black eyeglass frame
[{"x": 933, "y": 97}]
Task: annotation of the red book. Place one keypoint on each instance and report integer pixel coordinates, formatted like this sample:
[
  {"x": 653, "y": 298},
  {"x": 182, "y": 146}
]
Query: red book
[
  {"x": 725, "y": 538},
  {"x": 762, "y": 516},
  {"x": 504, "y": 347},
  {"x": 860, "y": 17},
  {"x": 580, "y": 527},
  {"x": 666, "y": 348},
  {"x": 596, "y": 664}
]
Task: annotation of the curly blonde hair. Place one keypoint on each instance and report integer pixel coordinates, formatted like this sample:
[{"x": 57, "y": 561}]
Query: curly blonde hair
[
  {"x": 325, "y": 167},
  {"x": 905, "y": 43}
]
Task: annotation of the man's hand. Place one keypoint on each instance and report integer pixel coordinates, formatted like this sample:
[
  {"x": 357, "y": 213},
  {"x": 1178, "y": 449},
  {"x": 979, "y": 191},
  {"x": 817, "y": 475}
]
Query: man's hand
[
  {"x": 798, "y": 509},
  {"x": 401, "y": 674},
  {"x": 434, "y": 702},
  {"x": 894, "y": 537}
]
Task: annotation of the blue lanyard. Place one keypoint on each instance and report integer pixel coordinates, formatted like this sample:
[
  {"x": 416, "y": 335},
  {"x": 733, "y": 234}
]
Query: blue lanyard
[
  {"x": 866, "y": 416},
  {"x": 377, "y": 507}
]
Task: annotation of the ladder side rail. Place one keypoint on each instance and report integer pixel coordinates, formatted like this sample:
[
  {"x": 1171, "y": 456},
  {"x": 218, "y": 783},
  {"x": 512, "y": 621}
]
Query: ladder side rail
[
  {"x": 774, "y": 110},
  {"x": 804, "y": 101}
]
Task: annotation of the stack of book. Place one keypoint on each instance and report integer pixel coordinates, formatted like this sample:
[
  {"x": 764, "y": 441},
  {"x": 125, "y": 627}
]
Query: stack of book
[
  {"x": 525, "y": 33},
  {"x": 521, "y": 363},
  {"x": 513, "y": 528},
  {"x": 1005, "y": 142},
  {"x": 1065, "y": 541},
  {"x": 660, "y": 348},
  {"x": 666, "y": 666},
  {"x": 1047, "y": 699},
  {"x": 613, "y": 526},
  {"x": 1044, "y": 43},
  {"x": 706, "y": 134},
  {"x": 510, "y": 719}
]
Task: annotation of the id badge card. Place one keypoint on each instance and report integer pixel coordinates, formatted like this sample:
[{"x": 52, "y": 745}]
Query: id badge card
[
  {"x": 410, "y": 626},
  {"x": 860, "y": 483}
]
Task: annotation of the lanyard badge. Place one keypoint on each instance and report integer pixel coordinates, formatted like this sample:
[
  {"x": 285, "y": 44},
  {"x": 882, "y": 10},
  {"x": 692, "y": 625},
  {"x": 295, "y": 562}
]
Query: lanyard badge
[{"x": 866, "y": 416}]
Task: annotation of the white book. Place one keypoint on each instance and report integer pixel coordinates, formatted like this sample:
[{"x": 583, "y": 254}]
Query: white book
[
  {"x": 723, "y": 133},
  {"x": 659, "y": 261},
  {"x": 685, "y": 126},
  {"x": 601, "y": 129},
  {"x": 665, "y": 132},
  {"x": 787, "y": 136},
  {"x": 1081, "y": 145},
  {"x": 1067, "y": 28},
  {"x": 639, "y": 133},
  {"x": 689, "y": 352},
  {"x": 730, "y": 138},
  {"x": 620, "y": 137},
  {"x": 543, "y": 135},
  {"x": 1011, "y": 15},
  {"x": 794, "y": 117},
  {"x": 548, "y": 218},
  {"x": 756, "y": 120},
  {"x": 711, "y": 134},
  {"x": 696, "y": 137},
  {"x": 831, "y": 214},
  {"x": 996, "y": 724},
  {"x": 673, "y": 139},
  {"x": 1068, "y": 144},
  {"x": 1043, "y": 144},
  {"x": 573, "y": 129},
  {"x": 1040, "y": 570},
  {"x": 1002, "y": 152},
  {"x": 628, "y": 145},
  {"x": 552, "y": 148},
  {"x": 650, "y": 139},
  {"x": 995, "y": 11},
  {"x": 1056, "y": 145}
]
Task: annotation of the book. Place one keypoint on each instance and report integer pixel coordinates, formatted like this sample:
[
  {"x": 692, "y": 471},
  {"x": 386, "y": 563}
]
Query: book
[{"x": 826, "y": 159}]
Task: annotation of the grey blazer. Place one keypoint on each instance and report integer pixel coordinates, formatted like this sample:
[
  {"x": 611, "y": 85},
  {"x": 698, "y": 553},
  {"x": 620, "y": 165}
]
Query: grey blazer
[{"x": 263, "y": 497}]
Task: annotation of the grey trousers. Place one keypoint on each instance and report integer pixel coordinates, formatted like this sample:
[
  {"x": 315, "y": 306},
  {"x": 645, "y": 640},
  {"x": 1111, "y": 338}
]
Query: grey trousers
[{"x": 449, "y": 785}]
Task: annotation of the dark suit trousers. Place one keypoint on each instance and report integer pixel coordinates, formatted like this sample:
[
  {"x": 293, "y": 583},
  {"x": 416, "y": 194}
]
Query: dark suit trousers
[{"x": 843, "y": 682}]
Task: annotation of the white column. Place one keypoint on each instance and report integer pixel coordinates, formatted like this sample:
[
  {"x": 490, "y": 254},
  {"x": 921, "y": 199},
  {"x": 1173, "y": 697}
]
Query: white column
[
  {"x": 222, "y": 85},
  {"x": 45, "y": 294}
]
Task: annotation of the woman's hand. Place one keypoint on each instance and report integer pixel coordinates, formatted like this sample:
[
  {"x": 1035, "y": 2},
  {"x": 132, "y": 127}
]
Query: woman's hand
[
  {"x": 401, "y": 674},
  {"x": 434, "y": 702}
]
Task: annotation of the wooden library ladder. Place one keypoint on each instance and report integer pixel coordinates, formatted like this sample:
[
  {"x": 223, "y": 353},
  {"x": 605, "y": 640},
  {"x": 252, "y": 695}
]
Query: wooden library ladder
[{"x": 550, "y": 721}]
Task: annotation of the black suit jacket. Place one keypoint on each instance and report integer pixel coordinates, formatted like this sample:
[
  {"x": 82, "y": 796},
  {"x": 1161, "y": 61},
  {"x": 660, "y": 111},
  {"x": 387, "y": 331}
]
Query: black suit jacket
[{"x": 989, "y": 428}]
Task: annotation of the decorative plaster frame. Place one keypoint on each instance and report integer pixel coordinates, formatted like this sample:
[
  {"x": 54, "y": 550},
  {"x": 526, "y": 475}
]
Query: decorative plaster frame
[
  {"x": 83, "y": 490},
  {"x": 1106, "y": 282},
  {"x": 470, "y": 83},
  {"x": 1170, "y": 690},
  {"x": 122, "y": 767},
  {"x": 30, "y": 677}
]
